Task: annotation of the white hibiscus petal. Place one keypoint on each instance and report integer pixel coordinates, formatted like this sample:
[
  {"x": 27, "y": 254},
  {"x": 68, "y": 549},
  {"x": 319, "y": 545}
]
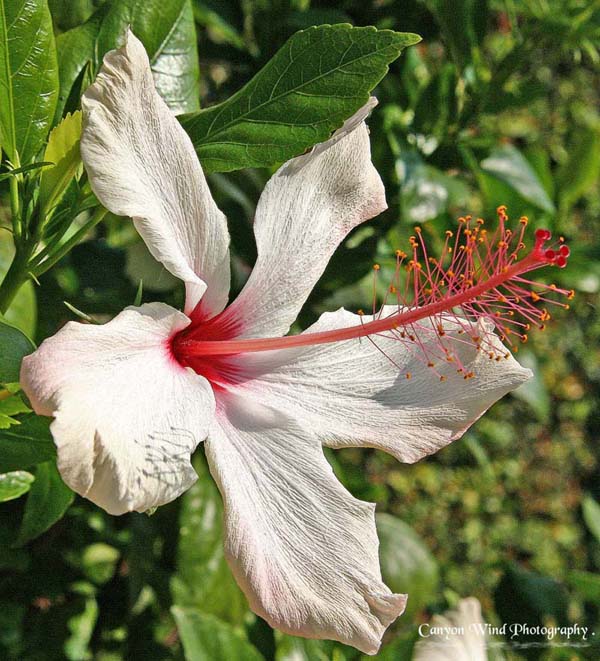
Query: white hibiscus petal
[
  {"x": 458, "y": 635},
  {"x": 126, "y": 415},
  {"x": 142, "y": 164},
  {"x": 304, "y": 550},
  {"x": 356, "y": 393},
  {"x": 305, "y": 211}
]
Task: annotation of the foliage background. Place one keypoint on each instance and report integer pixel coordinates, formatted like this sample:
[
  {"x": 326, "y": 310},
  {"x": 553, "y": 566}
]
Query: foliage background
[{"x": 498, "y": 104}]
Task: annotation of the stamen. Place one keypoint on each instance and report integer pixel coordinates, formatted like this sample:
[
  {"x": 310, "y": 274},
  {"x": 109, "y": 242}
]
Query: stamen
[{"x": 478, "y": 275}]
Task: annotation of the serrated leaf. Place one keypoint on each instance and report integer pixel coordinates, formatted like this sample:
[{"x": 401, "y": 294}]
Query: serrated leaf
[
  {"x": 15, "y": 484},
  {"x": 319, "y": 78},
  {"x": 28, "y": 77},
  {"x": 511, "y": 167},
  {"x": 165, "y": 28},
  {"x": 203, "y": 579},
  {"x": 26, "y": 444},
  {"x": 14, "y": 345},
  {"x": 10, "y": 407},
  {"x": 204, "y": 636},
  {"x": 63, "y": 151},
  {"x": 46, "y": 504}
]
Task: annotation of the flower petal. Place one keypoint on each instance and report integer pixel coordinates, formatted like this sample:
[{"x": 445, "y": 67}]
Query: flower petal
[
  {"x": 126, "y": 415},
  {"x": 142, "y": 164},
  {"x": 356, "y": 393},
  {"x": 301, "y": 547},
  {"x": 459, "y": 635},
  {"x": 305, "y": 211}
]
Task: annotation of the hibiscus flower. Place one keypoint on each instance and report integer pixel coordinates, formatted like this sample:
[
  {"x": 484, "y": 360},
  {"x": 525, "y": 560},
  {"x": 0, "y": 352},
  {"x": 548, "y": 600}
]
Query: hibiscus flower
[{"x": 131, "y": 399}]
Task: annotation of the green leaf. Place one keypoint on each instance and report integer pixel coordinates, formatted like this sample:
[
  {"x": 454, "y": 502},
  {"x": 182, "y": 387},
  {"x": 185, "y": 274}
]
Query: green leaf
[
  {"x": 15, "y": 484},
  {"x": 534, "y": 391},
  {"x": 26, "y": 444},
  {"x": 319, "y": 78},
  {"x": 26, "y": 168},
  {"x": 463, "y": 25},
  {"x": 76, "y": 50},
  {"x": 14, "y": 345},
  {"x": 8, "y": 408},
  {"x": 203, "y": 579},
  {"x": 426, "y": 192},
  {"x": 81, "y": 625},
  {"x": 63, "y": 151},
  {"x": 47, "y": 502},
  {"x": 437, "y": 108},
  {"x": 407, "y": 565},
  {"x": 206, "y": 637},
  {"x": 581, "y": 170},
  {"x": 293, "y": 648},
  {"x": 28, "y": 77},
  {"x": 99, "y": 562},
  {"x": 525, "y": 596},
  {"x": 591, "y": 515},
  {"x": 511, "y": 167},
  {"x": 586, "y": 584},
  {"x": 165, "y": 28}
]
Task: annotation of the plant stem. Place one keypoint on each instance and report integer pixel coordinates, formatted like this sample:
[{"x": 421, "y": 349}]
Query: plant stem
[
  {"x": 70, "y": 243},
  {"x": 15, "y": 277},
  {"x": 15, "y": 208}
]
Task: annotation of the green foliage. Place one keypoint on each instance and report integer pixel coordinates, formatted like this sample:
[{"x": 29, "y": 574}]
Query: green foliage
[
  {"x": 509, "y": 166},
  {"x": 47, "y": 501},
  {"x": 26, "y": 444},
  {"x": 15, "y": 484},
  {"x": 407, "y": 565},
  {"x": 319, "y": 78},
  {"x": 497, "y": 105},
  {"x": 10, "y": 406},
  {"x": 591, "y": 516},
  {"x": 28, "y": 77},
  {"x": 15, "y": 345},
  {"x": 63, "y": 151},
  {"x": 166, "y": 30},
  {"x": 203, "y": 579},
  {"x": 206, "y": 637}
]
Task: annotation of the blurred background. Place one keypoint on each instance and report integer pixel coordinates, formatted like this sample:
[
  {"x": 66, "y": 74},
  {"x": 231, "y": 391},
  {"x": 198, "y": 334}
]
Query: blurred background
[{"x": 499, "y": 104}]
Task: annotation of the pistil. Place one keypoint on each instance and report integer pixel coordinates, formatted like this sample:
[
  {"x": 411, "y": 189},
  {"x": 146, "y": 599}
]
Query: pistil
[{"x": 483, "y": 279}]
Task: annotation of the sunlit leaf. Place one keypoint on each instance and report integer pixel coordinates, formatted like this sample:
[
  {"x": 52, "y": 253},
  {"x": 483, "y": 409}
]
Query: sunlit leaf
[
  {"x": 63, "y": 151},
  {"x": 9, "y": 407},
  {"x": 204, "y": 636},
  {"x": 509, "y": 165},
  {"x": 315, "y": 81},
  {"x": 28, "y": 77},
  {"x": 165, "y": 28},
  {"x": 591, "y": 515},
  {"x": 15, "y": 484}
]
